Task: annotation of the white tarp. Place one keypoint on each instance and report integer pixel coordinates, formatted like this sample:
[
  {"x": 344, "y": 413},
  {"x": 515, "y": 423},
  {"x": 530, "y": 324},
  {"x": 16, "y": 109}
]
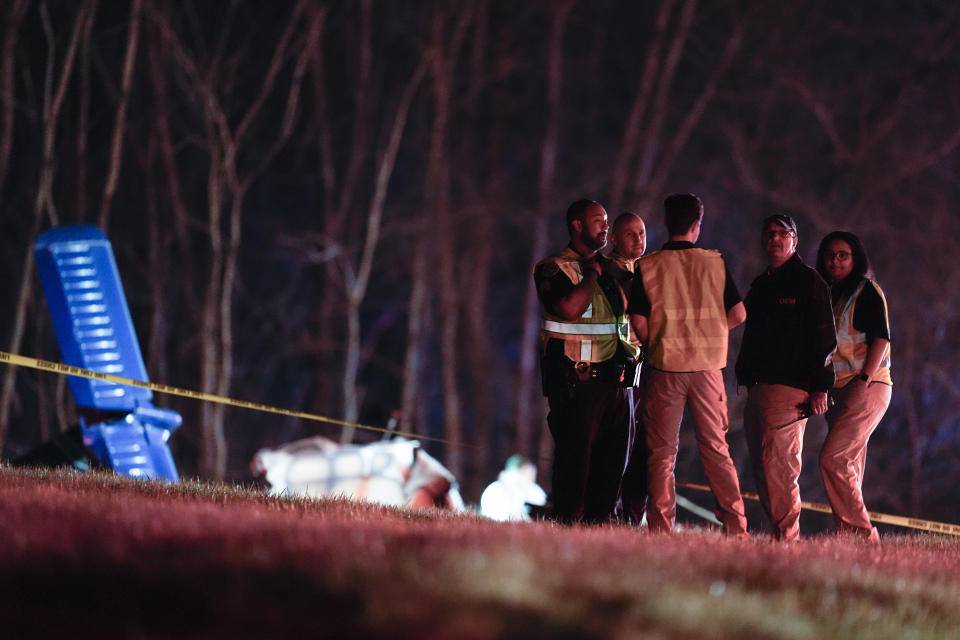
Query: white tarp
[{"x": 392, "y": 472}]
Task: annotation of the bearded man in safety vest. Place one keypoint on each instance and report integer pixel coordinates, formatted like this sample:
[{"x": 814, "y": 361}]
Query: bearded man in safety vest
[
  {"x": 682, "y": 306},
  {"x": 586, "y": 349}
]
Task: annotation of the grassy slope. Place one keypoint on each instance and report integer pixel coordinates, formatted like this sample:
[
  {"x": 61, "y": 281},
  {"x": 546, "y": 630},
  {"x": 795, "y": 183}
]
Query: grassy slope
[{"x": 103, "y": 555}]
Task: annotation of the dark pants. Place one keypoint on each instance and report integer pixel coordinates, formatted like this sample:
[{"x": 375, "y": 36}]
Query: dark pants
[
  {"x": 593, "y": 428},
  {"x": 636, "y": 481}
]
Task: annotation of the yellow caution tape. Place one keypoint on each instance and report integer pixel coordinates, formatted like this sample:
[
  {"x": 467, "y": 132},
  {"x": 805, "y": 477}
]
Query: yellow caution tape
[
  {"x": 57, "y": 367},
  {"x": 884, "y": 518}
]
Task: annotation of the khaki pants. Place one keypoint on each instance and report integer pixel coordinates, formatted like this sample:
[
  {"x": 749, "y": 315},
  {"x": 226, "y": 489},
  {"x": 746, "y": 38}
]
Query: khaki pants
[
  {"x": 666, "y": 395},
  {"x": 775, "y": 439},
  {"x": 857, "y": 413}
]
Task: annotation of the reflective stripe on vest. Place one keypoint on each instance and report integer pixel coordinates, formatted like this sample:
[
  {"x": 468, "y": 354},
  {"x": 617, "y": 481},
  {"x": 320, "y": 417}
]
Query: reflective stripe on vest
[
  {"x": 852, "y": 347},
  {"x": 580, "y": 328},
  {"x": 688, "y": 321}
]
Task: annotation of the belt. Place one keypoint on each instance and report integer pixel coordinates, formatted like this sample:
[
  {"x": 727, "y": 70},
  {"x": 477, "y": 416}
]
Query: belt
[{"x": 607, "y": 371}]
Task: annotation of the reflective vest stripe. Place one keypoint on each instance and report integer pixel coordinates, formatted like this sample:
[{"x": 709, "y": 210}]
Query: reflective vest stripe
[
  {"x": 582, "y": 328},
  {"x": 855, "y": 365},
  {"x": 586, "y": 350}
]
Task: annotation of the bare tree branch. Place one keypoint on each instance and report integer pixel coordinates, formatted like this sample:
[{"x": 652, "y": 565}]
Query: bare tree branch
[
  {"x": 654, "y": 129},
  {"x": 357, "y": 289},
  {"x": 43, "y": 204},
  {"x": 17, "y": 11},
  {"x": 695, "y": 113},
  {"x": 120, "y": 123},
  {"x": 641, "y": 103}
]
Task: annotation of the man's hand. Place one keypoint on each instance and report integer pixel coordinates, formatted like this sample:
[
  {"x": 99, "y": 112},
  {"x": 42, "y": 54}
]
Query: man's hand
[
  {"x": 591, "y": 264},
  {"x": 818, "y": 403}
]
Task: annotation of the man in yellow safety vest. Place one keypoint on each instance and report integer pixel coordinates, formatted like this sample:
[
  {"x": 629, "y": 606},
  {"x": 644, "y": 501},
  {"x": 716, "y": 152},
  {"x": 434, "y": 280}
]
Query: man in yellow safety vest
[
  {"x": 586, "y": 349},
  {"x": 682, "y": 306}
]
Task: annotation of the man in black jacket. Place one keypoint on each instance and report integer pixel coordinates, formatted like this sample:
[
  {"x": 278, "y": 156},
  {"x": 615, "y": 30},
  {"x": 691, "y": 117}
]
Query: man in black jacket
[{"x": 786, "y": 364}]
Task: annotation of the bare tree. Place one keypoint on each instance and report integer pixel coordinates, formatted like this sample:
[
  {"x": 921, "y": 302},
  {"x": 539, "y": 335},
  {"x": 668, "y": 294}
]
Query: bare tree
[
  {"x": 442, "y": 54},
  {"x": 120, "y": 122},
  {"x": 338, "y": 191},
  {"x": 359, "y": 278},
  {"x": 227, "y": 186},
  {"x": 650, "y": 134},
  {"x": 483, "y": 197},
  {"x": 43, "y": 203},
  {"x": 529, "y": 420},
  {"x": 17, "y": 9},
  {"x": 83, "y": 120}
]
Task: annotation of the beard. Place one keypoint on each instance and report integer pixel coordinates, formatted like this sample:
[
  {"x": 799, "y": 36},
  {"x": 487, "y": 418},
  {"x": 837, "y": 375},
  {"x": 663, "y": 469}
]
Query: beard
[{"x": 596, "y": 242}]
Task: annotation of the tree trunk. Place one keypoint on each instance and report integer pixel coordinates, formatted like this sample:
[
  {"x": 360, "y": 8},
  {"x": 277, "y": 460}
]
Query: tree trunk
[
  {"x": 120, "y": 122},
  {"x": 7, "y": 94},
  {"x": 43, "y": 203},
  {"x": 442, "y": 60},
  {"x": 529, "y": 402},
  {"x": 358, "y": 287},
  {"x": 410, "y": 401},
  {"x": 641, "y": 103}
]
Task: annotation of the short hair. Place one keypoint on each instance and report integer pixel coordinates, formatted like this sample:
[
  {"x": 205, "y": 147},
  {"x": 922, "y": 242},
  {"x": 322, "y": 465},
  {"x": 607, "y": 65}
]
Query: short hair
[
  {"x": 681, "y": 210},
  {"x": 577, "y": 211},
  {"x": 861, "y": 264},
  {"x": 622, "y": 219}
]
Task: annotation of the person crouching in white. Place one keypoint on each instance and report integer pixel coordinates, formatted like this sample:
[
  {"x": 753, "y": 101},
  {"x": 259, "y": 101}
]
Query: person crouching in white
[{"x": 515, "y": 488}]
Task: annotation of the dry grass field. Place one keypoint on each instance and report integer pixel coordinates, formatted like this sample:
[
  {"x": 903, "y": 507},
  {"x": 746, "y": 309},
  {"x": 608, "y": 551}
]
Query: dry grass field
[{"x": 97, "y": 555}]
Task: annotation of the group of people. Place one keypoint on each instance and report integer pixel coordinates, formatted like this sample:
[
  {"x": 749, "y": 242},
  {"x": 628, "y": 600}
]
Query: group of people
[{"x": 630, "y": 340}]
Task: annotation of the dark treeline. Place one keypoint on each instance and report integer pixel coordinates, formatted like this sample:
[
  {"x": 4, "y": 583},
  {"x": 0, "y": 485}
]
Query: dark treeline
[{"x": 335, "y": 206}]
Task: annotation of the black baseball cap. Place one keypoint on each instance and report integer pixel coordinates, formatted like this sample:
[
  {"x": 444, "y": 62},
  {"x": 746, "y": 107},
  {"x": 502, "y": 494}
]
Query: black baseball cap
[{"x": 781, "y": 220}]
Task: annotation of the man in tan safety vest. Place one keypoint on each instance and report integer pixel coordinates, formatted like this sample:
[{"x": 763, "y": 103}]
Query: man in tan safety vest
[
  {"x": 586, "y": 349},
  {"x": 682, "y": 306}
]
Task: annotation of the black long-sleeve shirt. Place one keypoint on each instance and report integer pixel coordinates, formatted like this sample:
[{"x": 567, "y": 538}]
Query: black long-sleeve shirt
[{"x": 790, "y": 335}]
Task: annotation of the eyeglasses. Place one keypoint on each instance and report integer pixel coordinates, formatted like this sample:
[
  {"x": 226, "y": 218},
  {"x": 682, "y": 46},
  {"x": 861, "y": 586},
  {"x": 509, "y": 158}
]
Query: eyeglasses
[
  {"x": 839, "y": 255},
  {"x": 783, "y": 234}
]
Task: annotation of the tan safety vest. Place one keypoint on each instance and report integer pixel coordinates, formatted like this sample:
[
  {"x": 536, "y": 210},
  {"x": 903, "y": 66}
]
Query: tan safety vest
[
  {"x": 852, "y": 347},
  {"x": 594, "y": 336},
  {"x": 688, "y": 321}
]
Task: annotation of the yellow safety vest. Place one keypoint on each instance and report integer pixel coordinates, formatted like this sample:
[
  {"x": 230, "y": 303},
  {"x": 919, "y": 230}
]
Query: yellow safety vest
[
  {"x": 688, "y": 321},
  {"x": 595, "y": 335},
  {"x": 852, "y": 347},
  {"x": 628, "y": 265}
]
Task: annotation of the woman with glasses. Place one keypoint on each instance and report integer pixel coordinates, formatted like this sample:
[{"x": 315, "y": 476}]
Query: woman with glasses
[{"x": 863, "y": 384}]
